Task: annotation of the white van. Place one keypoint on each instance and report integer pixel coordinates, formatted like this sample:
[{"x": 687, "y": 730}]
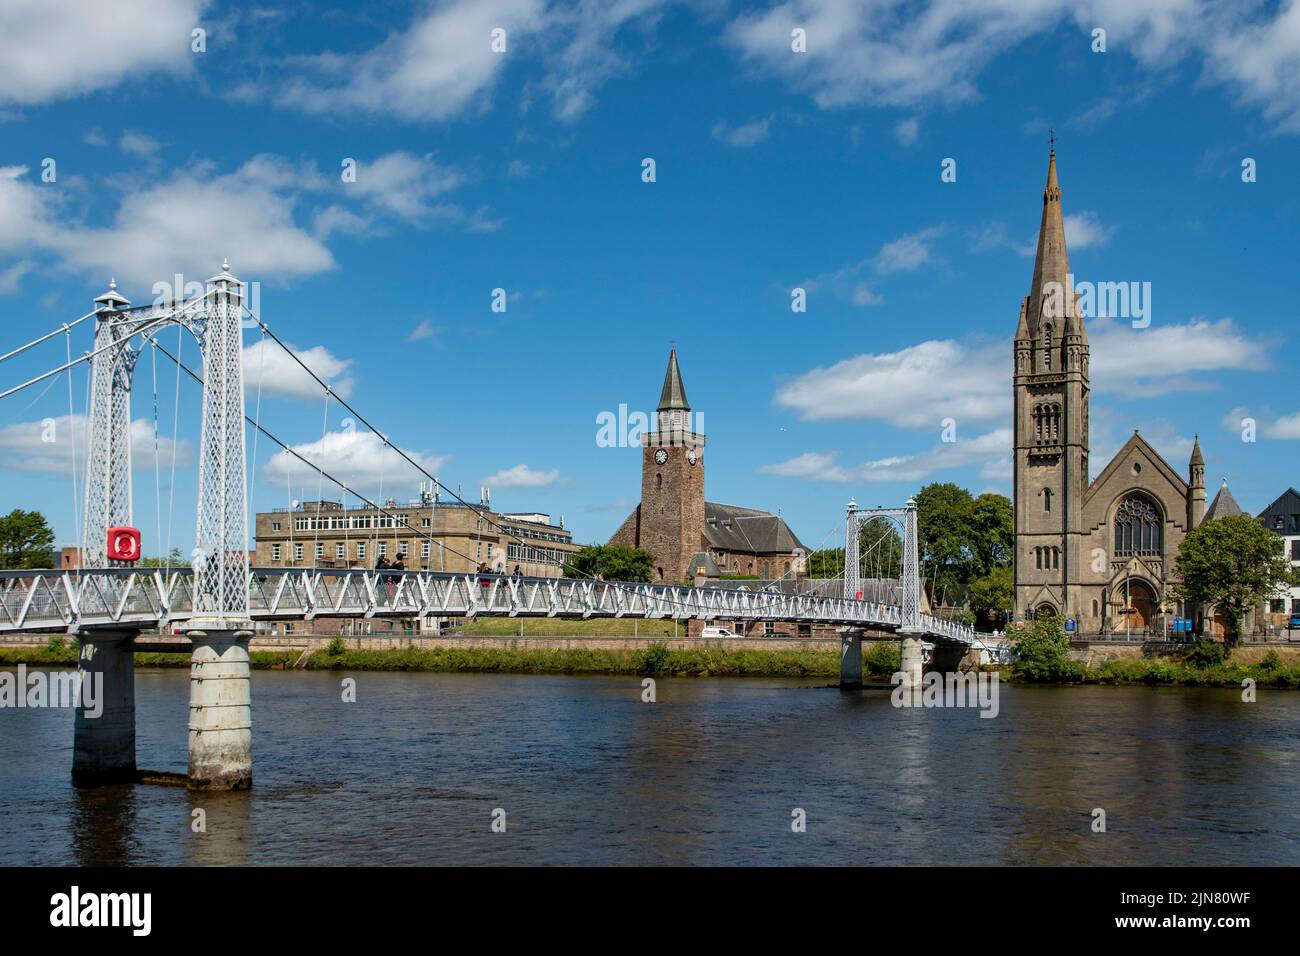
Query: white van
[{"x": 718, "y": 632}]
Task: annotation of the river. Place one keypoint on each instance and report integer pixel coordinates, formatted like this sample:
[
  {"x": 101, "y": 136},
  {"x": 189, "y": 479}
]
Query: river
[{"x": 711, "y": 773}]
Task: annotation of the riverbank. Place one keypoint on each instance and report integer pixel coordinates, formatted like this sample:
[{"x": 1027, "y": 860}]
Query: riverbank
[{"x": 879, "y": 662}]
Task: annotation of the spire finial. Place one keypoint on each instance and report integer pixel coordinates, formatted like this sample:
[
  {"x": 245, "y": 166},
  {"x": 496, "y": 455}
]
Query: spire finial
[
  {"x": 225, "y": 264},
  {"x": 1051, "y": 141},
  {"x": 112, "y": 284}
]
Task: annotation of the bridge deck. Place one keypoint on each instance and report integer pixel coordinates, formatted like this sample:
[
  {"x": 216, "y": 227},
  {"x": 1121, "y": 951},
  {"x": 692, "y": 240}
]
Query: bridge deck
[{"x": 72, "y": 600}]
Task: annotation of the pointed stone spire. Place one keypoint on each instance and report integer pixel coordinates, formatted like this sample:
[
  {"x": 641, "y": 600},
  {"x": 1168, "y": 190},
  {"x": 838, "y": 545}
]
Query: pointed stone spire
[
  {"x": 1197, "y": 457},
  {"x": 1222, "y": 505},
  {"x": 1051, "y": 263},
  {"x": 673, "y": 396}
]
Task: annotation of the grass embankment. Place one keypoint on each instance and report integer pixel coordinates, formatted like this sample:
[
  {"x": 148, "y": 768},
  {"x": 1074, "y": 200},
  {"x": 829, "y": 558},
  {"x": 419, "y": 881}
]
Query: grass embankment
[
  {"x": 878, "y": 660},
  {"x": 557, "y": 627},
  {"x": 1271, "y": 671},
  {"x": 55, "y": 655}
]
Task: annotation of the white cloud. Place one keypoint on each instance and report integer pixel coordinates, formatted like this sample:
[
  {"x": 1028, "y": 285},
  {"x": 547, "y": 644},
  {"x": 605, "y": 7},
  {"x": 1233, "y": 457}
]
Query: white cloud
[
  {"x": 990, "y": 451},
  {"x": 12, "y": 276},
  {"x": 267, "y": 364},
  {"x": 916, "y": 387},
  {"x": 521, "y": 476},
  {"x": 443, "y": 65},
  {"x": 907, "y": 131},
  {"x": 1122, "y": 363},
  {"x": 1082, "y": 230},
  {"x": 46, "y": 446},
  {"x": 1283, "y": 427},
  {"x": 424, "y": 330},
  {"x": 743, "y": 136},
  {"x": 1288, "y": 426},
  {"x": 907, "y": 253},
  {"x": 863, "y": 295},
  {"x": 404, "y": 185},
  {"x": 360, "y": 459},
  {"x": 54, "y": 49},
  {"x": 138, "y": 144}
]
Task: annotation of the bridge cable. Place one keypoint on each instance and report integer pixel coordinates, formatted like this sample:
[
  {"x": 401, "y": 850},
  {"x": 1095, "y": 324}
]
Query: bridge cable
[
  {"x": 72, "y": 442},
  {"x": 48, "y": 335},
  {"x": 176, "y": 418}
]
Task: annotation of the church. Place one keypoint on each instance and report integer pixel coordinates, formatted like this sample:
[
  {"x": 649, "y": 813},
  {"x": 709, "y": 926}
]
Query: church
[
  {"x": 1103, "y": 551},
  {"x": 689, "y": 536}
]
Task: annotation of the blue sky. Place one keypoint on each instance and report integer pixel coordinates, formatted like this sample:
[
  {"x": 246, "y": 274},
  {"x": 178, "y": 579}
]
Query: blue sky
[{"x": 522, "y": 171}]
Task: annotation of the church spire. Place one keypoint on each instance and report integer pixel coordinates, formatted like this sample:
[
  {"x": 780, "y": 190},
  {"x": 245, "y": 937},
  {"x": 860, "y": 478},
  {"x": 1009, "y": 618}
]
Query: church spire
[
  {"x": 1051, "y": 294},
  {"x": 673, "y": 396}
]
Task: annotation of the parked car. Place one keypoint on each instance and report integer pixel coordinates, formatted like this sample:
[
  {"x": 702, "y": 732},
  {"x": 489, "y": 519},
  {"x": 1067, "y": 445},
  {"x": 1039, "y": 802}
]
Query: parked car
[
  {"x": 1294, "y": 623},
  {"x": 718, "y": 632}
]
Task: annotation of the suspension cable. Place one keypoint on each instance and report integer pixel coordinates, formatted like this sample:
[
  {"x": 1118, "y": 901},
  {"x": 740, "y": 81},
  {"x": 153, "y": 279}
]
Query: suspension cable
[{"x": 46, "y": 336}]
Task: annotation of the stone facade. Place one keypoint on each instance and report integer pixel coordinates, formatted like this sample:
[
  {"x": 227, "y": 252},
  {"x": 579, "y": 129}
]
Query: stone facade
[
  {"x": 430, "y": 536},
  {"x": 687, "y": 535},
  {"x": 1099, "y": 551}
]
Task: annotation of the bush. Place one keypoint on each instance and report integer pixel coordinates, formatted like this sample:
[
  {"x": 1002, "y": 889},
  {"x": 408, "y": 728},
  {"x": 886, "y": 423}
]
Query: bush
[
  {"x": 882, "y": 659},
  {"x": 1206, "y": 652},
  {"x": 335, "y": 647},
  {"x": 56, "y": 643},
  {"x": 1271, "y": 662},
  {"x": 654, "y": 660},
  {"x": 1043, "y": 652}
]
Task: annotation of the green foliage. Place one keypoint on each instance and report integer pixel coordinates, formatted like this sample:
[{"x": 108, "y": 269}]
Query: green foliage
[
  {"x": 826, "y": 563},
  {"x": 174, "y": 559},
  {"x": 56, "y": 643},
  {"x": 1043, "y": 652},
  {"x": 992, "y": 592},
  {"x": 612, "y": 562},
  {"x": 1206, "y": 652},
  {"x": 654, "y": 659},
  {"x": 1271, "y": 661},
  {"x": 882, "y": 658},
  {"x": 1232, "y": 563},
  {"x": 336, "y": 647},
  {"x": 963, "y": 540},
  {"x": 26, "y": 541}
]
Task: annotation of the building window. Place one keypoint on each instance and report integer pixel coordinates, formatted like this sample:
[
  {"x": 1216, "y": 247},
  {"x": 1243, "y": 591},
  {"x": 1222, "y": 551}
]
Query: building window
[
  {"x": 361, "y": 549},
  {"x": 424, "y": 549},
  {"x": 659, "y": 480},
  {"x": 383, "y": 549},
  {"x": 341, "y": 551},
  {"x": 401, "y": 549},
  {"x": 275, "y": 552},
  {"x": 1138, "y": 528},
  {"x": 424, "y": 522},
  {"x": 1047, "y": 347},
  {"x": 275, "y": 526},
  {"x": 320, "y": 551},
  {"x": 297, "y": 552},
  {"x": 1047, "y": 499}
]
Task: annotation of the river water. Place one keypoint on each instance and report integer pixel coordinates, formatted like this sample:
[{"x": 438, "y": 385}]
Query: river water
[{"x": 586, "y": 773}]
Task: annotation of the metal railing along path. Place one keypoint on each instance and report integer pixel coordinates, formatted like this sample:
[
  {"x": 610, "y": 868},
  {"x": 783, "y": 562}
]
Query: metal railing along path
[{"x": 156, "y": 597}]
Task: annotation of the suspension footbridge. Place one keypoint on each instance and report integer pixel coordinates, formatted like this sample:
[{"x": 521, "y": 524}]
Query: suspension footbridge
[{"x": 216, "y": 602}]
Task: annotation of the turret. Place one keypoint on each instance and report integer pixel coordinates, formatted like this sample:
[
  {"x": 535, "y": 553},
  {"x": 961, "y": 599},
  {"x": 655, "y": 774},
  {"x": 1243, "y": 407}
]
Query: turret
[{"x": 1196, "y": 481}]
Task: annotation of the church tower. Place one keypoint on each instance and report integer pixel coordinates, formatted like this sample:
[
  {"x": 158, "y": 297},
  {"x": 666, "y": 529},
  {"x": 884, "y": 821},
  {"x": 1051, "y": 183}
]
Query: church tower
[
  {"x": 671, "y": 515},
  {"x": 1051, "y": 425}
]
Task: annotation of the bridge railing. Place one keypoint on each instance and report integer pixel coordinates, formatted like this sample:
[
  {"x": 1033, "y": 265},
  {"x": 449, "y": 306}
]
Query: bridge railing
[{"x": 44, "y": 600}]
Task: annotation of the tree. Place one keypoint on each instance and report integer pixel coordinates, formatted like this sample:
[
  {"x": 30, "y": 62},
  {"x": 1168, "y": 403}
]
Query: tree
[
  {"x": 992, "y": 534},
  {"x": 826, "y": 563},
  {"x": 174, "y": 559},
  {"x": 1042, "y": 651},
  {"x": 993, "y": 592},
  {"x": 612, "y": 562},
  {"x": 26, "y": 541},
  {"x": 1232, "y": 562}
]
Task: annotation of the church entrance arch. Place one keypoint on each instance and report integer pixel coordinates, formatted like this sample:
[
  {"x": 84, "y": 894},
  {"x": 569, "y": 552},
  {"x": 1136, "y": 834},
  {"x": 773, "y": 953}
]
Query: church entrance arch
[{"x": 1137, "y": 604}]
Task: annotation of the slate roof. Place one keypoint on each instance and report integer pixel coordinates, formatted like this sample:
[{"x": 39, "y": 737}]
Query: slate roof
[
  {"x": 1222, "y": 506},
  {"x": 732, "y": 528},
  {"x": 673, "y": 396}
]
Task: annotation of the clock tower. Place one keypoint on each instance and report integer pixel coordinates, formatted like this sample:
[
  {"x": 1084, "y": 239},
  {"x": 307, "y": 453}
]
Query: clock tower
[{"x": 670, "y": 521}]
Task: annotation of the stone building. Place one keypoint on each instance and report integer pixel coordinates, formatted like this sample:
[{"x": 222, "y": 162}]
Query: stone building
[
  {"x": 1099, "y": 551},
  {"x": 688, "y": 535},
  {"x": 427, "y": 533},
  {"x": 1282, "y": 517}
]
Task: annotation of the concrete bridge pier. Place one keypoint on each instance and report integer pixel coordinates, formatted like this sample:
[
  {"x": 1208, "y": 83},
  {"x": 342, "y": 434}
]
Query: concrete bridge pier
[
  {"x": 103, "y": 746},
  {"x": 850, "y": 658},
  {"x": 221, "y": 716},
  {"x": 912, "y": 659}
]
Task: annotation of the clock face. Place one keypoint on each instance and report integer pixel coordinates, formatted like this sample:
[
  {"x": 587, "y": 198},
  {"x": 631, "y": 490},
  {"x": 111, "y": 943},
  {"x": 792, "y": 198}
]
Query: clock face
[
  {"x": 692, "y": 457},
  {"x": 661, "y": 456}
]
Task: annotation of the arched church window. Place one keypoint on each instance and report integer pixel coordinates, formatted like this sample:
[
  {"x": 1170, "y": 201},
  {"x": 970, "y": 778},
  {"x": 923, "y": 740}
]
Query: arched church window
[
  {"x": 1047, "y": 499},
  {"x": 659, "y": 480},
  {"x": 1139, "y": 528}
]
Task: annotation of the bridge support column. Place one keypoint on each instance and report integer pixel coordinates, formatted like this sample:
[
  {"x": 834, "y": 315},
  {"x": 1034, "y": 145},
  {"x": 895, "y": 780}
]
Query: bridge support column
[
  {"x": 103, "y": 747},
  {"x": 221, "y": 717},
  {"x": 850, "y": 659},
  {"x": 912, "y": 660}
]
